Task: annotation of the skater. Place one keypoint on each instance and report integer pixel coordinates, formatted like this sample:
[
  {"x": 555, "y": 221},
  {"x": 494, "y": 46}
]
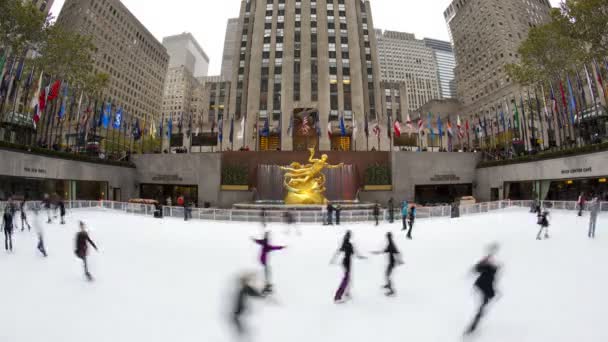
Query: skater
[
  {"x": 349, "y": 250},
  {"x": 376, "y": 213},
  {"x": 7, "y": 225},
  {"x": 338, "y": 209},
  {"x": 594, "y": 208},
  {"x": 182, "y": 203},
  {"x": 266, "y": 248},
  {"x": 82, "y": 245},
  {"x": 61, "y": 206},
  {"x": 404, "y": 215},
  {"x": 38, "y": 227},
  {"x": 581, "y": 203},
  {"x": 263, "y": 217},
  {"x": 330, "y": 214},
  {"x": 394, "y": 259},
  {"x": 411, "y": 219},
  {"x": 46, "y": 201},
  {"x": 487, "y": 269},
  {"x": 391, "y": 210},
  {"x": 24, "y": 217},
  {"x": 543, "y": 222},
  {"x": 245, "y": 290}
]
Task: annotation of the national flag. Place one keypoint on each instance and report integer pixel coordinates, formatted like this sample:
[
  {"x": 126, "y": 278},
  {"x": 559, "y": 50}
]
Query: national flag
[
  {"x": 241, "y": 134},
  {"x": 180, "y": 123},
  {"x": 572, "y": 100},
  {"x": 318, "y": 125},
  {"x": 231, "y": 134},
  {"x": 439, "y": 126},
  {"x": 581, "y": 90},
  {"x": 305, "y": 129},
  {"x": 107, "y": 113},
  {"x": 79, "y": 107},
  {"x": 409, "y": 122},
  {"x": 388, "y": 125},
  {"x": 35, "y": 104},
  {"x": 430, "y": 126},
  {"x": 589, "y": 83},
  {"x": 220, "y": 128},
  {"x": 561, "y": 89},
  {"x": 523, "y": 113},
  {"x": 376, "y": 129},
  {"x": 342, "y": 126},
  {"x": 467, "y": 128},
  {"x": 397, "y": 128},
  {"x": 54, "y": 90},
  {"x": 600, "y": 81},
  {"x": 160, "y": 126},
  {"x": 366, "y": 126},
  {"x": 136, "y": 130},
  {"x": 515, "y": 116},
  {"x": 329, "y": 129},
  {"x": 190, "y": 126},
  {"x": 420, "y": 123},
  {"x": 449, "y": 127},
  {"x": 485, "y": 126},
  {"x": 117, "y": 119},
  {"x": 290, "y": 127},
  {"x": 355, "y": 128},
  {"x": 170, "y": 125},
  {"x": 64, "y": 100}
]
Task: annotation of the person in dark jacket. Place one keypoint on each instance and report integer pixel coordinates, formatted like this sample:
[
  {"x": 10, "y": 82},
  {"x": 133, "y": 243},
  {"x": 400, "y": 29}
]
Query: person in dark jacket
[
  {"x": 411, "y": 218},
  {"x": 543, "y": 222},
  {"x": 394, "y": 259},
  {"x": 7, "y": 226},
  {"x": 330, "y": 214},
  {"x": 24, "y": 217},
  {"x": 263, "y": 217},
  {"x": 240, "y": 306},
  {"x": 61, "y": 205},
  {"x": 404, "y": 210},
  {"x": 487, "y": 269},
  {"x": 349, "y": 251},
  {"x": 391, "y": 210},
  {"x": 82, "y": 246},
  {"x": 266, "y": 249},
  {"x": 376, "y": 213},
  {"x": 338, "y": 209}
]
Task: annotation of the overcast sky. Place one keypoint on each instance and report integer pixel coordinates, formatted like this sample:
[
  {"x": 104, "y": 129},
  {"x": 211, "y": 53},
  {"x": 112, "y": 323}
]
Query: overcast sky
[{"x": 206, "y": 19}]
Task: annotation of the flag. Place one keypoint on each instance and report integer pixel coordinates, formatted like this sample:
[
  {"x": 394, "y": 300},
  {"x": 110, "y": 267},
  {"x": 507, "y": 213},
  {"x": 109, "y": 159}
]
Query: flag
[
  {"x": 409, "y": 122},
  {"x": 397, "y": 128},
  {"x": 54, "y": 90},
  {"x": 485, "y": 126},
  {"x": 180, "y": 124},
  {"x": 600, "y": 81},
  {"x": 79, "y": 107},
  {"x": 376, "y": 129},
  {"x": 160, "y": 126},
  {"x": 467, "y": 128},
  {"x": 136, "y": 131},
  {"x": 117, "y": 119},
  {"x": 2, "y": 62},
  {"x": 63, "y": 102},
  {"x": 190, "y": 126},
  {"x": 220, "y": 128},
  {"x": 439, "y": 126},
  {"x": 231, "y": 134},
  {"x": 430, "y": 127},
  {"x": 329, "y": 128},
  {"x": 515, "y": 116},
  {"x": 523, "y": 113},
  {"x": 561, "y": 89},
  {"x": 342, "y": 126},
  {"x": 318, "y": 125},
  {"x": 589, "y": 83},
  {"x": 420, "y": 123},
  {"x": 581, "y": 89},
  {"x": 152, "y": 129},
  {"x": 265, "y": 132},
  {"x": 35, "y": 104},
  {"x": 105, "y": 121},
  {"x": 170, "y": 125},
  {"x": 572, "y": 100},
  {"x": 449, "y": 126},
  {"x": 355, "y": 128},
  {"x": 290, "y": 127},
  {"x": 389, "y": 121},
  {"x": 366, "y": 126},
  {"x": 241, "y": 134},
  {"x": 502, "y": 120}
]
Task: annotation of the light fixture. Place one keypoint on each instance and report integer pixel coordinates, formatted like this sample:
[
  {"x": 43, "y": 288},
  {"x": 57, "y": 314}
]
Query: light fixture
[
  {"x": 602, "y": 180},
  {"x": 569, "y": 182}
]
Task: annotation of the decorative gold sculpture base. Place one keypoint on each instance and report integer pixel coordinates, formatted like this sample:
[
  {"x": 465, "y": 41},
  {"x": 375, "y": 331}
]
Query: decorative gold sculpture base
[{"x": 305, "y": 184}]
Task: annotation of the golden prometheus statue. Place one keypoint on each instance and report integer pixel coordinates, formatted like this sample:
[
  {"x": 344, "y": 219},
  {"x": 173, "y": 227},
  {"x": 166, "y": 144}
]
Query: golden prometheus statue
[{"x": 305, "y": 184}]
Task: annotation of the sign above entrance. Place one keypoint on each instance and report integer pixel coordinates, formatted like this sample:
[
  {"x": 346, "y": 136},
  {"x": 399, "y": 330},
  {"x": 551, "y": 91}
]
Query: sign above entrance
[
  {"x": 577, "y": 170},
  {"x": 167, "y": 178},
  {"x": 34, "y": 170},
  {"x": 445, "y": 178}
]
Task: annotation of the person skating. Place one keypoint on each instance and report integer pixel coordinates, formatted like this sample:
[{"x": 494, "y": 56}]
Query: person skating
[
  {"x": 7, "y": 226},
  {"x": 581, "y": 203},
  {"x": 24, "y": 217},
  {"x": 181, "y": 202},
  {"x": 394, "y": 259},
  {"x": 82, "y": 246},
  {"x": 338, "y": 209},
  {"x": 543, "y": 222},
  {"x": 594, "y": 208},
  {"x": 391, "y": 210},
  {"x": 245, "y": 290},
  {"x": 46, "y": 201},
  {"x": 38, "y": 227},
  {"x": 487, "y": 269},
  {"x": 61, "y": 206},
  {"x": 348, "y": 250},
  {"x": 330, "y": 213},
  {"x": 266, "y": 249},
  {"x": 263, "y": 217},
  {"x": 404, "y": 214},
  {"x": 376, "y": 213},
  {"x": 411, "y": 218}
]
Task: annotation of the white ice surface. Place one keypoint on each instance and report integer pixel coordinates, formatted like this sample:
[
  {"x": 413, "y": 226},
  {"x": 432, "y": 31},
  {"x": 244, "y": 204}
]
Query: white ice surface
[{"x": 167, "y": 280}]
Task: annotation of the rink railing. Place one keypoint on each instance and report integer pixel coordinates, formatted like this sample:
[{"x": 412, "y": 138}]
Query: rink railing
[{"x": 318, "y": 216}]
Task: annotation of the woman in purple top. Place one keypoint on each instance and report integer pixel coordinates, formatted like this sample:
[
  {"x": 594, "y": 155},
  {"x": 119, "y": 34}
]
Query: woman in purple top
[{"x": 266, "y": 248}]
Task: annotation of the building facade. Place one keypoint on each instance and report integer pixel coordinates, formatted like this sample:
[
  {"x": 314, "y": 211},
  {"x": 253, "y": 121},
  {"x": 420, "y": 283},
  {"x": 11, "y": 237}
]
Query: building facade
[
  {"x": 185, "y": 51},
  {"x": 405, "y": 58},
  {"x": 125, "y": 50},
  {"x": 446, "y": 63},
  {"x": 302, "y": 65},
  {"x": 43, "y": 5},
  {"x": 230, "y": 41}
]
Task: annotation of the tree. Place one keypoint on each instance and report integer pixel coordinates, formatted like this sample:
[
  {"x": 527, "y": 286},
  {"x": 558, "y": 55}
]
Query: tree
[
  {"x": 587, "y": 21},
  {"x": 22, "y": 25}
]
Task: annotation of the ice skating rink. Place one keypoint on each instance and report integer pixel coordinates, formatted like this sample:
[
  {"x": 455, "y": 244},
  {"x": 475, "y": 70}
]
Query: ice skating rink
[{"x": 169, "y": 280}]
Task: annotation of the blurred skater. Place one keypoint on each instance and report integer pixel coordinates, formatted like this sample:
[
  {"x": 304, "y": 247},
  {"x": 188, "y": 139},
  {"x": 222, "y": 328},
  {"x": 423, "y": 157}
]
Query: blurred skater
[
  {"x": 266, "y": 249},
  {"x": 7, "y": 226},
  {"x": 581, "y": 203},
  {"x": 487, "y": 269},
  {"x": 376, "y": 213},
  {"x": 543, "y": 222},
  {"x": 263, "y": 217},
  {"x": 394, "y": 259},
  {"x": 391, "y": 210},
  {"x": 338, "y": 210},
  {"x": 290, "y": 219},
  {"x": 38, "y": 227},
  {"x": 24, "y": 217},
  {"x": 404, "y": 215},
  {"x": 82, "y": 246},
  {"x": 61, "y": 206},
  {"x": 245, "y": 289},
  {"x": 330, "y": 214},
  {"x": 348, "y": 250},
  {"x": 594, "y": 209},
  {"x": 411, "y": 218},
  {"x": 46, "y": 201}
]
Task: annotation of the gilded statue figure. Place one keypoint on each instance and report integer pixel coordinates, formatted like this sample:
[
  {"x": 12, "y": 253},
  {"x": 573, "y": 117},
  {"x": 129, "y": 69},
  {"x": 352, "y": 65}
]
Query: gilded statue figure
[{"x": 305, "y": 184}]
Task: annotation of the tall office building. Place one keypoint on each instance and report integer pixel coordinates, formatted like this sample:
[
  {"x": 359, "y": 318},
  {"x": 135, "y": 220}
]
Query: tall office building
[
  {"x": 185, "y": 51},
  {"x": 230, "y": 41},
  {"x": 43, "y": 5},
  {"x": 405, "y": 58},
  {"x": 125, "y": 50},
  {"x": 486, "y": 35},
  {"x": 446, "y": 63},
  {"x": 300, "y": 66}
]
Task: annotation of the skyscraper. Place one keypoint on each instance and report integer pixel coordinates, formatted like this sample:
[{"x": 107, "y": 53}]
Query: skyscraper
[
  {"x": 230, "y": 41},
  {"x": 185, "y": 51},
  {"x": 125, "y": 50},
  {"x": 486, "y": 35},
  {"x": 446, "y": 62},
  {"x": 405, "y": 58},
  {"x": 301, "y": 68},
  {"x": 43, "y": 5}
]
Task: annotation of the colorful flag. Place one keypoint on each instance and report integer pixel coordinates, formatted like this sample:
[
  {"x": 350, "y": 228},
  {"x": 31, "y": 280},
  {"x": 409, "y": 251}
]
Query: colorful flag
[
  {"x": 160, "y": 126},
  {"x": 305, "y": 125},
  {"x": 107, "y": 113},
  {"x": 220, "y": 128},
  {"x": 64, "y": 99},
  {"x": 342, "y": 126},
  {"x": 117, "y": 119},
  {"x": 290, "y": 127},
  {"x": 572, "y": 100},
  {"x": 600, "y": 81},
  {"x": 241, "y": 134},
  {"x": 170, "y": 125},
  {"x": 589, "y": 83},
  {"x": 430, "y": 127},
  {"x": 439, "y": 126},
  {"x": 366, "y": 127},
  {"x": 409, "y": 122},
  {"x": 397, "y": 128},
  {"x": 328, "y": 128},
  {"x": 136, "y": 131},
  {"x": 54, "y": 90},
  {"x": 35, "y": 104},
  {"x": 318, "y": 124},
  {"x": 355, "y": 128},
  {"x": 449, "y": 127},
  {"x": 376, "y": 129},
  {"x": 420, "y": 123},
  {"x": 515, "y": 116},
  {"x": 231, "y": 134}
]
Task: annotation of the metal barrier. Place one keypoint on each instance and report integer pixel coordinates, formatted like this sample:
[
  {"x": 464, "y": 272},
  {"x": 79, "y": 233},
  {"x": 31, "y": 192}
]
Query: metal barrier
[{"x": 308, "y": 216}]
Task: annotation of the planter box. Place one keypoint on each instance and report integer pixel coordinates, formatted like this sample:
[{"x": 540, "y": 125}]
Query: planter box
[
  {"x": 377, "y": 188},
  {"x": 234, "y": 187}
]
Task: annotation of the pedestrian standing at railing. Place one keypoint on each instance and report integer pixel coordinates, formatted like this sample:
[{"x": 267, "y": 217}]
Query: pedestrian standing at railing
[
  {"x": 594, "y": 209},
  {"x": 404, "y": 210},
  {"x": 376, "y": 213},
  {"x": 61, "y": 206},
  {"x": 411, "y": 219},
  {"x": 391, "y": 210},
  {"x": 7, "y": 226},
  {"x": 581, "y": 203}
]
